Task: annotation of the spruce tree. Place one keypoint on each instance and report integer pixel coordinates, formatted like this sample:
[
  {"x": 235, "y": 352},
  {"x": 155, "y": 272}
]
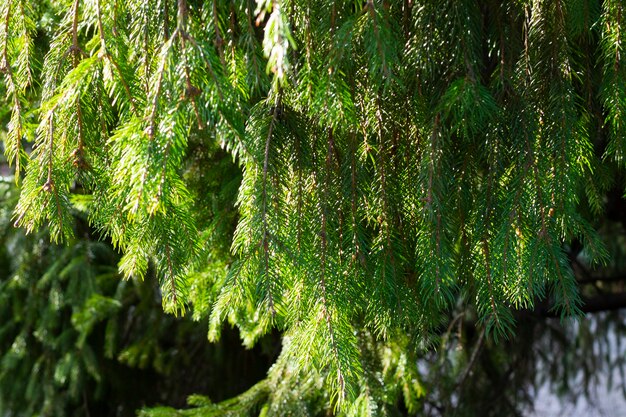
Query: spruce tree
[
  {"x": 394, "y": 161},
  {"x": 77, "y": 340}
]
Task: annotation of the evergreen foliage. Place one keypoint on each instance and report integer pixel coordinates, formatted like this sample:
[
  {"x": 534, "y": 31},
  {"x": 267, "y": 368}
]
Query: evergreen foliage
[
  {"x": 393, "y": 160},
  {"x": 76, "y": 339}
]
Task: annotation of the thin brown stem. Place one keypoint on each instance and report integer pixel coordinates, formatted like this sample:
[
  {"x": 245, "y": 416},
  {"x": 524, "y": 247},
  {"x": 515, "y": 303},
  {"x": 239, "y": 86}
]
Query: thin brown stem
[
  {"x": 473, "y": 357},
  {"x": 166, "y": 21},
  {"x": 219, "y": 40},
  {"x": 75, "y": 46}
]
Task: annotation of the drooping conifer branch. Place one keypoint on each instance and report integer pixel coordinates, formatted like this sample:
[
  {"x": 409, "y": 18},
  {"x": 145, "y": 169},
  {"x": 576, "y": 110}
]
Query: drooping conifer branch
[
  {"x": 14, "y": 149},
  {"x": 264, "y": 205},
  {"x": 371, "y": 11},
  {"x": 394, "y": 160},
  {"x": 485, "y": 243},
  {"x": 324, "y": 243},
  {"x": 171, "y": 273},
  {"x": 105, "y": 53},
  {"x": 219, "y": 40}
]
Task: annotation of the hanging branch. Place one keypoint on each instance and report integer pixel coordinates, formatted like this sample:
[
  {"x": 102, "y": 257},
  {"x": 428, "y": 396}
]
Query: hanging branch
[
  {"x": 331, "y": 234},
  {"x": 49, "y": 185},
  {"x": 264, "y": 198},
  {"x": 152, "y": 118},
  {"x": 166, "y": 21},
  {"x": 371, "y": 9},
  {"x": 358, "y": 256},
  {"x": 14, "y": 148},
  {"x": 430, "y": 200},
  {"x": 485, "y": 244},
  {"x": 105, "y": 53},
  {"x": 323, "y": 264},
  {"x": 386, "y": 211},
  {"x": 219, "y": 40},
  {"x": 150, "y": 130},
  {"x": 171, "y": 273},
  {"x": 191, "y": 91},
  {"x": 79, "y": 157}
]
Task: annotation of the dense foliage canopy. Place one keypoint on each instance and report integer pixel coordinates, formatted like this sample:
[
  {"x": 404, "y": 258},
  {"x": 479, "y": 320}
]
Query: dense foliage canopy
[{"x": 351, "y": 173}]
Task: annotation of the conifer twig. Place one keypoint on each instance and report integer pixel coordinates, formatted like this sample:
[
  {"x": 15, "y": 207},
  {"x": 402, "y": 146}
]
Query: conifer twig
[
  {"x": 49, "y": 182},
  {"x": 372, "y": 14},
  {"x": 170, "y": 269},
  {"x": 323, "y": 255},
  {"x": 191, "y": 91},
  {"x": 152, "y": 117},
  {"x": 14, "y": 88},
  {"x": 159, "y": 83},
  {"x": 166, "y": 21},
  {"x": 208, "y": 65},
  {"x": 485, "y": 237},
  {"x": 265, "y": 238},
  {"x": 389, "y": 250},
  {"x": 109, "y": 57},
  {"x": 353, "y": 201},
  {"x": 219, "y": 40},
  {"x": 430, "y": 199}
]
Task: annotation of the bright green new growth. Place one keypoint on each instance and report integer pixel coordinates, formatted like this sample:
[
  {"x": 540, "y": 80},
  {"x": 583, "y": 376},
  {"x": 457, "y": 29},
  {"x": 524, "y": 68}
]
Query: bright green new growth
[{"x": 400, "y": 156}]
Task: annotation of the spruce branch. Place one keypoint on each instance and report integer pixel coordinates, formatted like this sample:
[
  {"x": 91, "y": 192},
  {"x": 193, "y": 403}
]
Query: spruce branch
[
  {"x": 170, "y": 270},
  {"x": 49, "y": 185},
  {"x": 207, "y": 62},
  {"x": 219, "y": 40},
  {"x": 485, "y": 249},
  {"x": 79, "y": 160},
  {"x": 358, "y": 255},
  {"x": 264, "y": 197},
  {"x": 323, "y": 270},
  {"x": 13, "y": 149},
  {"x": 75, "y": 48},
  {"x": 155, "y": 91},
  {"x": 386, "y": 213},
  {"x": 433, "y": 158},
  {"x": 414, "y": 161},
  {"x": 104, "y": 52},
  {"x": 569, "y": 309},
  {"x": 371, "y": 10},
  {"x": 191, "y": 91},
  {"x": 166, "y": 22},
  {"x": 252, "y": 56}
]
